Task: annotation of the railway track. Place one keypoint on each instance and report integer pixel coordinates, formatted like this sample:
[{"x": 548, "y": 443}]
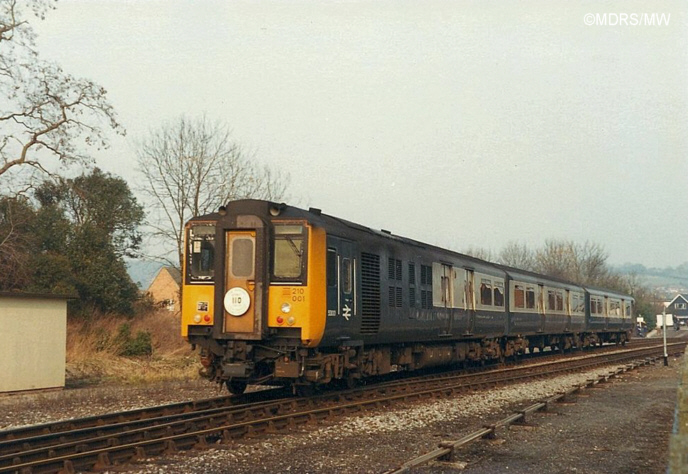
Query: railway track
[
  {"x": 98, "y": 442},
  {"x": 447, "y": 449},
  {"x": 194, "y": 406}
]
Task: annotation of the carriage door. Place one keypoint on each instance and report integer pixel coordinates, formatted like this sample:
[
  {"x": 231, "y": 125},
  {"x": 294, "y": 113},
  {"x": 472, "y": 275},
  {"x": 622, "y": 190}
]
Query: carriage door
[
  {"x": 541, "y": 307},
  {"x": 567, "y": 308},
  {"x": 443, "y": 278},
  {"x": 341, "y": 281},
  {"x": 606, "y": 312},
  {"x": 240, "y": 283},
  {"x": 470, "y": 301}
]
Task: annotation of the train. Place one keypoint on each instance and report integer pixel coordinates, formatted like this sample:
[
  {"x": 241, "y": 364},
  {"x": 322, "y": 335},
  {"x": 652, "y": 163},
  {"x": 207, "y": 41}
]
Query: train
[{"x": 277, "y": 295}]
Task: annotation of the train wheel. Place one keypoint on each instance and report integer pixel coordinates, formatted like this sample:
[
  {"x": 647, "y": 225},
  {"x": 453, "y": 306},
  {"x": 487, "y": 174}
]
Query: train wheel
[
  {"x": 236, "y": 387},
  {"x": 351, "y": 381}
]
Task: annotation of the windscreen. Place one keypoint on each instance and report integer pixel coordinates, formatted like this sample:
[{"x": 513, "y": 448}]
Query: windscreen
[
  {"x": 288, "y": 257},
  {"x": 201, "y": 253}
]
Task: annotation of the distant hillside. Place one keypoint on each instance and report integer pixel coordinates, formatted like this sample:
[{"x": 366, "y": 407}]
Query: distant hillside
[
  {"x": 143, "y": 271},
  {"x": 669, "y": 279}
]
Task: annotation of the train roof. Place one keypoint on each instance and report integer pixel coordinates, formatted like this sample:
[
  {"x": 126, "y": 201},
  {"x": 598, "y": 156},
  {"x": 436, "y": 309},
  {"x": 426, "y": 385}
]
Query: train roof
[
  {"x": 604, "y": 292},
  {"x": 213, "y": 216},
  {"x": 531, "y": 276},
  {"x": 318, "y": 217}
]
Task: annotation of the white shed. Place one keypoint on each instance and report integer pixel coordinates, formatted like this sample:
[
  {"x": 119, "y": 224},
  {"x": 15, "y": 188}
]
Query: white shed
[{"x": 33, "y": 338}]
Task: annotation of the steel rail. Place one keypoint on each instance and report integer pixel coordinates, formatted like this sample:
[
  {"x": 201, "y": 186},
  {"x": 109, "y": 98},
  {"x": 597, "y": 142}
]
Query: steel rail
[
  {"x": 31, "y": 447},
  {"x": 45, "y": 434},
  {"x": 129, "y": 415},
  {"x": 58, "y": 427},
  {"x": 184, "y": 434}
]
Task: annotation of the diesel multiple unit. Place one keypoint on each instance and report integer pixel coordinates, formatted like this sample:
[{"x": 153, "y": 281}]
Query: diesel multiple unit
[{"x": 279, "y": 295}]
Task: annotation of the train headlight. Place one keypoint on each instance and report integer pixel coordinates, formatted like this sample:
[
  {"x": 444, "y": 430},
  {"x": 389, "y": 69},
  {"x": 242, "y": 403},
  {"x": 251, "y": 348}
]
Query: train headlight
[
  {"x": 291, "y": 320},
  {"x": 286, "y": 307},
  {"x": 197, "y": 318}
]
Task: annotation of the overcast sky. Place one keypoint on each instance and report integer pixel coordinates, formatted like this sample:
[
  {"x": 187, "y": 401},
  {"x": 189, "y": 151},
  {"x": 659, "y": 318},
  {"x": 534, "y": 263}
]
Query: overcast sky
[{"x": 458, "y": 123}]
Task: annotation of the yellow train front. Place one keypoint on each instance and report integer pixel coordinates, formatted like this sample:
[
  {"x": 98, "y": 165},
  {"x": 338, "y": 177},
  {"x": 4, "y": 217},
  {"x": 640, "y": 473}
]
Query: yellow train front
[{"x": 254, "y": 293}]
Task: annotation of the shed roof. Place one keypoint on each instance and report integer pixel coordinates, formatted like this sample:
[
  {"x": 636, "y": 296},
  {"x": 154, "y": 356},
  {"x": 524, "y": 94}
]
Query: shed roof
[{"x": 28, "y": 295}]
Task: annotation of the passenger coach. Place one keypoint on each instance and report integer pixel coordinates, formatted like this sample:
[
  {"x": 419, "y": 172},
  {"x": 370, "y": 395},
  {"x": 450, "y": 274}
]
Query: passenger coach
[{"x": 279, "y": 295}]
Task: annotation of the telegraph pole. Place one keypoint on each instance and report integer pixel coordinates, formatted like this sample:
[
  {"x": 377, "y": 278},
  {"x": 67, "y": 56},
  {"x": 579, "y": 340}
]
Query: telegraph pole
[{"x": 666, "y": 356}]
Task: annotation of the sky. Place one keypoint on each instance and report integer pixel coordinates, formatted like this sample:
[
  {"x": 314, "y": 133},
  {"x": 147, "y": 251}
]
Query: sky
[{"x": 467, "y": 123}]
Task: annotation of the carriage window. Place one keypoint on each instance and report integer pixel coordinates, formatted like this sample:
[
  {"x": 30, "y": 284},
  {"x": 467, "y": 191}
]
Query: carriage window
[
  {"x": 499, "y": 293},
  {"x": 201, "y": 253},
  {"x": 519, "y": 296},
  {"x": 331, "y": 267},
  {"x": 576, "y": 303},
  {"x": 530, "y": 297},
  {"x": 551, "y": 300},
  {"x": 560, "y": 301},
  {"x": 289, "y": 252},
  {"x": 241, "y": 256},
  {"x": 346, "y": 275},
  {"x": 485, "y": 292}
]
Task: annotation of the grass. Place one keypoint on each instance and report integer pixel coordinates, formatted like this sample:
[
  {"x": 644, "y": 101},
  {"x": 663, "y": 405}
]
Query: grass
[{"x": 96, "y": 348}]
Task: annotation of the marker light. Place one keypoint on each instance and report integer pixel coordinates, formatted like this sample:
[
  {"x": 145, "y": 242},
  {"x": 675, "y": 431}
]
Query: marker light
[
  {"x": 197, "y": 318},
  {"x": 280, "y": 320},
  {"x": 291, "y": 320},
  {"x": 286, "y": 307},
  {"x": 206, "y": 318}
]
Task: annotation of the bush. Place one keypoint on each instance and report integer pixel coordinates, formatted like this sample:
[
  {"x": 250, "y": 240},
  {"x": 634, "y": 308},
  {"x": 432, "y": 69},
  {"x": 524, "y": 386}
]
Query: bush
[{"x": 139, "y": 345}]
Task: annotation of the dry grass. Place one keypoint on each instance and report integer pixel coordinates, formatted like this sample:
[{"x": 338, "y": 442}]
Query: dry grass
[{"x": 93, "y": 349}]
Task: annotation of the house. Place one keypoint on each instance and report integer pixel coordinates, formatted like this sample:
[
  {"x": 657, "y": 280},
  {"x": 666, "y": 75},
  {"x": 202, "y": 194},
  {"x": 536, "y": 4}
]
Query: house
[
  {"x": 679, "y": 307},
  {"x": 165, "y": 287}
]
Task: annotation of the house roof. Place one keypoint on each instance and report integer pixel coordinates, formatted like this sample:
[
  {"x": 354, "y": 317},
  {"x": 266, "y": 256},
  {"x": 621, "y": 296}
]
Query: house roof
[
  {"x": 683, "y": 296},
  {"x": 174, "y": 273}
]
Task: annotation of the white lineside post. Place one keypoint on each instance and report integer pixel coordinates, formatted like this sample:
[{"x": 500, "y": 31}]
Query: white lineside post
[{"x": 666, "y": 356}]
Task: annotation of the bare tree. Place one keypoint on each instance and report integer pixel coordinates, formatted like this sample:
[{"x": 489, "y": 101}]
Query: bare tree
[
  {"x": 15, "y": 216},
  {"x": 479, "y": 252},
  {"x": 517, "y": 255},
  {"x": 46, "y": 115},
  {"x": 191, "y": 167},
  {"x": 580, "y": 263}
]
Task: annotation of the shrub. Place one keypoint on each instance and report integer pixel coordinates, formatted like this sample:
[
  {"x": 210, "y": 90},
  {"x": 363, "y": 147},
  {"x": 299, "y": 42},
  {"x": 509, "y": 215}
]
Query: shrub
[{"x": 139, "y": 345}]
